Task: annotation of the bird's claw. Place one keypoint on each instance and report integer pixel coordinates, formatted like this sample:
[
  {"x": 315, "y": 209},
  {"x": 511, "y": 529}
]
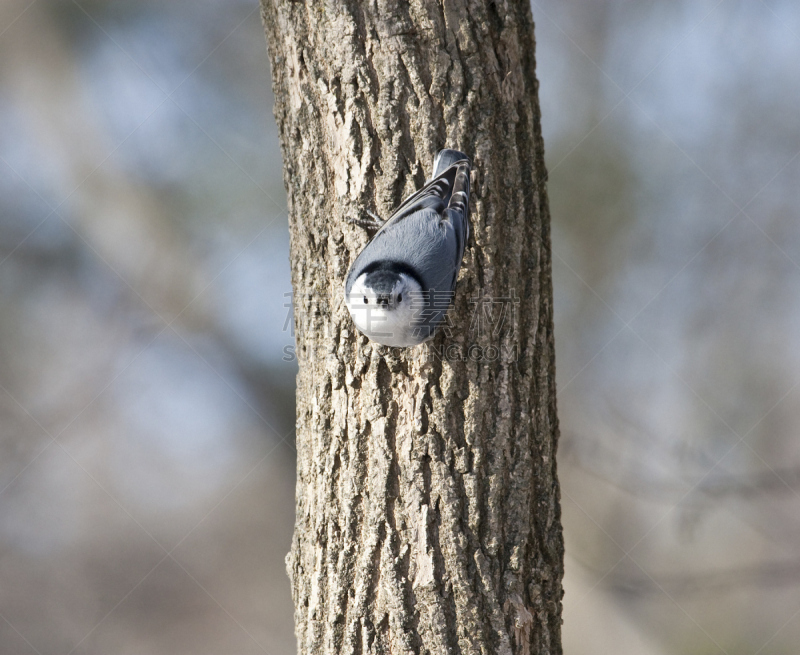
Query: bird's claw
[{"x": 374, "y": 222}]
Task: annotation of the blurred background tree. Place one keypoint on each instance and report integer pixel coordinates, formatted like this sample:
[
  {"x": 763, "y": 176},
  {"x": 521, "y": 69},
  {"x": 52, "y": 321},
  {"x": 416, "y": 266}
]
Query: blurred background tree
[{"x": 146, "y": 414}]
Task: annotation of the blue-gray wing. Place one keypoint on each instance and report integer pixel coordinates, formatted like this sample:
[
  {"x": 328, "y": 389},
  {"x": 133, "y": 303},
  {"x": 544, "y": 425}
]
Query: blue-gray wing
[
  {"x": 428, "y": 232},
  {"x": 457, "y": 212},
  {"x": 450, "y": 167}
]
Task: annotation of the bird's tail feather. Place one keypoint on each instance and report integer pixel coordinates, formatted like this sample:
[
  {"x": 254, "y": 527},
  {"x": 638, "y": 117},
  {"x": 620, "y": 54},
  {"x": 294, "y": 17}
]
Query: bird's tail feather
[{"x": 444, "y": 159}]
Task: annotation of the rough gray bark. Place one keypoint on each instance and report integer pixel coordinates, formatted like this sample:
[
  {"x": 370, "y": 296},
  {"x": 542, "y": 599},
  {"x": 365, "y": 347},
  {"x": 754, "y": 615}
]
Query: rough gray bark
[{"x": 427, "y": 498}]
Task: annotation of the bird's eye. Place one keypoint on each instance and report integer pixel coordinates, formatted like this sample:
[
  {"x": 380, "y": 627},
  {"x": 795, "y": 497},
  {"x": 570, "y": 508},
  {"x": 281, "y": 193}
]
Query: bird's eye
[
  {"x": 366, "y": 300},
  {"x": 399, "y": 297}
]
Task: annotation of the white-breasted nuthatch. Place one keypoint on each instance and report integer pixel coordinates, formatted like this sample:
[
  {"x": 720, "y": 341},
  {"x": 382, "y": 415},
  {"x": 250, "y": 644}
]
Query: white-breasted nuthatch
[{"x": 400, "y": 286}]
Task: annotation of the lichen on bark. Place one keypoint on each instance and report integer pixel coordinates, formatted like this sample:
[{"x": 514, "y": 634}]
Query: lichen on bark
[{"x": 428, "y": 515}]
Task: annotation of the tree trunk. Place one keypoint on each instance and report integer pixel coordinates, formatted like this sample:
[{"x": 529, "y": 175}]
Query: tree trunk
[{"x": 428, "y": 513}]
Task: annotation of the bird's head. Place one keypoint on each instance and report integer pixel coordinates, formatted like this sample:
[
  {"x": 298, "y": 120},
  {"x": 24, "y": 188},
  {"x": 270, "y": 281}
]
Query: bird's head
[{"x": 383, "y": 304}]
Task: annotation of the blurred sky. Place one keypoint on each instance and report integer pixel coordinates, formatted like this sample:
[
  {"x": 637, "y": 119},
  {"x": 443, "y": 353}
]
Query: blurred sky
[{"x": 146, "y": 404}]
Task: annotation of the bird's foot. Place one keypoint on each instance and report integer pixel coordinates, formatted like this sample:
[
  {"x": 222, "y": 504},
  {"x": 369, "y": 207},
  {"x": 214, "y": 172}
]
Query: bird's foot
[{"x": 374, "y": 222}]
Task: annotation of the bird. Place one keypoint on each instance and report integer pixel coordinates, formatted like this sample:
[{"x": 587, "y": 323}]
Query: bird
[{"x": 400, "y": 286}]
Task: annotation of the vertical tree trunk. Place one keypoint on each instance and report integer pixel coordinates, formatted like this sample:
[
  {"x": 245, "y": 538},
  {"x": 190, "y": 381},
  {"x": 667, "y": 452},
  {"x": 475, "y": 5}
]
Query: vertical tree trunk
[{"x": 427, "y": 499}]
